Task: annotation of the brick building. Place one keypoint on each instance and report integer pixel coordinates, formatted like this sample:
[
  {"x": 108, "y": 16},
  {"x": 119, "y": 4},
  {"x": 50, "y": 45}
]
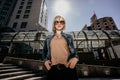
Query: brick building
[{"x": 104, "y": 23}]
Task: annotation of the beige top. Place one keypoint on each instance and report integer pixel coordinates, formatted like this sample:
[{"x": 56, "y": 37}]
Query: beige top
[{"x": 59, "y": 50}]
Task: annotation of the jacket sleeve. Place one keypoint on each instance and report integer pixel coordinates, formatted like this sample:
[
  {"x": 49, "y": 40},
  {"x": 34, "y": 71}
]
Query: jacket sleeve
[
  {"x": 72, "y": 49},
  {"x": 44, "y": 51}
]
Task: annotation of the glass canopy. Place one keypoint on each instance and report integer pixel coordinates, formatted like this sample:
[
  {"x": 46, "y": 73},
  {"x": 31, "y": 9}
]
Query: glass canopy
[{"x": 77, "y": 35}]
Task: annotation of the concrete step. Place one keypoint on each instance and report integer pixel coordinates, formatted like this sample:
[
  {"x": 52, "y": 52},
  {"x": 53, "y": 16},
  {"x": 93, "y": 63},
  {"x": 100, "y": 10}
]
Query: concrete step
[
  {"x": 2, "y": 65},
  {"x": 7, "y": 67},
  {"x": 19, "y": 77},
  {"x": 14, "y": 74},
  {"x": 36, "y": 78},
  {"x": 11, "y": 72}
]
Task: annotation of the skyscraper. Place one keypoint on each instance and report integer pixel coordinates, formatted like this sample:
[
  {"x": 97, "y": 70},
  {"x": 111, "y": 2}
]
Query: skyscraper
[
  {"x": 29, "y": 15},
  {"x": 6, "y": 9}
]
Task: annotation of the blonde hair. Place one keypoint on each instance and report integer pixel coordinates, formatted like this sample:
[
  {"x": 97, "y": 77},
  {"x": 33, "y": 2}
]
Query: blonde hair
[{"x": 53, "y": 25}]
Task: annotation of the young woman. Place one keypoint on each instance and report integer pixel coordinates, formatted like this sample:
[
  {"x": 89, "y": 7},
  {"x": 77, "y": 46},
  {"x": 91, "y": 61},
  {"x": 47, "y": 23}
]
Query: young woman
[{"x": 60, "y": 57}]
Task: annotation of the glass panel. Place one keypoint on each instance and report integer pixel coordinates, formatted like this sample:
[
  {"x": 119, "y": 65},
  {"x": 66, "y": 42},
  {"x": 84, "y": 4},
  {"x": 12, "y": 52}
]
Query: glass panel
[
  {"x": 101, "y": 35},
  {"x": 114, "y": 34},
  {"x": 30, "y": 36},
  {"x": 72, "y": 34},
  {"x": 81, "y": 36},
  {"x": 100, "y": 43},
  {"x": 82, "y": 44},
  {"x": 25, "y": 36},
  {"x": 91, "y": 35},
  {"x": 7, "y": 36},
  {"x": 19, "y": 37}
]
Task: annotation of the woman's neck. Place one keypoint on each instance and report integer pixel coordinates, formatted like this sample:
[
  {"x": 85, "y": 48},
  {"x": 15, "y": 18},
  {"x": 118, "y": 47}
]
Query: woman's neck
[{"x": 58, "y": 32}]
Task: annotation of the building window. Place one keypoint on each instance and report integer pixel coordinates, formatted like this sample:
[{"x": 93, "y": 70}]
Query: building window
[
  {"x": 25, "y": 16},
  {"x": 20, "y": 7},
  {"x": 112, "y": 23},
  {"x": 9, "y": 0},
  {"x": 3, "y": 12},
  {"x": 0, "y": 2},
  {"x": 98, "y": 23},
  {"x": 5, "y": 8},
  {"x": 110, "y": 19},
  {"x": 105, "y": 24},
  {"x": 19, "y": 11},
  {"x": 7, "y": 4},
  {"x": 2, "y": 17},
  {"x": 114, "y": 28},
  {"x": 1, "y": 22},
  {"x": 23, "y": 24},
  {"x": 22, "y": 3},
  {"x": 27, "y": 11},
  {"x": 14, "y": 25},
  {"x": 29, "y": 3},
  {"x": 104, "y": 20},
  {"x": 107, "y": 28},
  {"x": 45, "y": 21},
  {"x": 28, "y": 7},
  {"x": 98, "y": 26},
  {"x": 30, "y": 0},
  {"x": 17, "y": 16},
  {"x": 41, "y": 18}
]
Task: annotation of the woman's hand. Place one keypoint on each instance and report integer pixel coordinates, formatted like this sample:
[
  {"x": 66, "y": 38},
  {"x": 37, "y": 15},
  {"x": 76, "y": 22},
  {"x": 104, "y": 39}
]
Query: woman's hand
[
  {"x": 72, "y": 62},
  {"x": 47, "y": 64}
]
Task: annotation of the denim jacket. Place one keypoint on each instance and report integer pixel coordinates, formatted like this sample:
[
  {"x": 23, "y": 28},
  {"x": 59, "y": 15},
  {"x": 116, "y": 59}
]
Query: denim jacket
[{"x": 46, "y": 54}]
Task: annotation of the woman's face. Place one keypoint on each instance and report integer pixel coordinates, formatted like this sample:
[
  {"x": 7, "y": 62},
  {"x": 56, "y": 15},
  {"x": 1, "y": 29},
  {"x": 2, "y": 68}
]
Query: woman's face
[{"x": 59, "y": 24}]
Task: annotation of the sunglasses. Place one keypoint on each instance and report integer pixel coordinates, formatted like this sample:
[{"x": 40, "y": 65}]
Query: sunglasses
[{"x": 61, "y": 22}]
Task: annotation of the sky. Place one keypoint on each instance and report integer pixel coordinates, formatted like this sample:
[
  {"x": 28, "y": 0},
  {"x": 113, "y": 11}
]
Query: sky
[{"x": 77, "y": 13}]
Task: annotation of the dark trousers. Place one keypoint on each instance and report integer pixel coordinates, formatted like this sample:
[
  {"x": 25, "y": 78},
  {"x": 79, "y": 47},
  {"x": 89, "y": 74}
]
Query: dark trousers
[{"x": 60, "y": 72}]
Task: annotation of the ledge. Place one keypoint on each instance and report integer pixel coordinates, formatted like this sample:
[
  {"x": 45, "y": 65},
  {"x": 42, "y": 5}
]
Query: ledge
[{"x": 83, "y": 70}]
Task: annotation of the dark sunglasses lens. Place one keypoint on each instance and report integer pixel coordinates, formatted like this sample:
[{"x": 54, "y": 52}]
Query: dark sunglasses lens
[
  {"x": 56, "y": 22},
  {"x": 61, "y": 22}
]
